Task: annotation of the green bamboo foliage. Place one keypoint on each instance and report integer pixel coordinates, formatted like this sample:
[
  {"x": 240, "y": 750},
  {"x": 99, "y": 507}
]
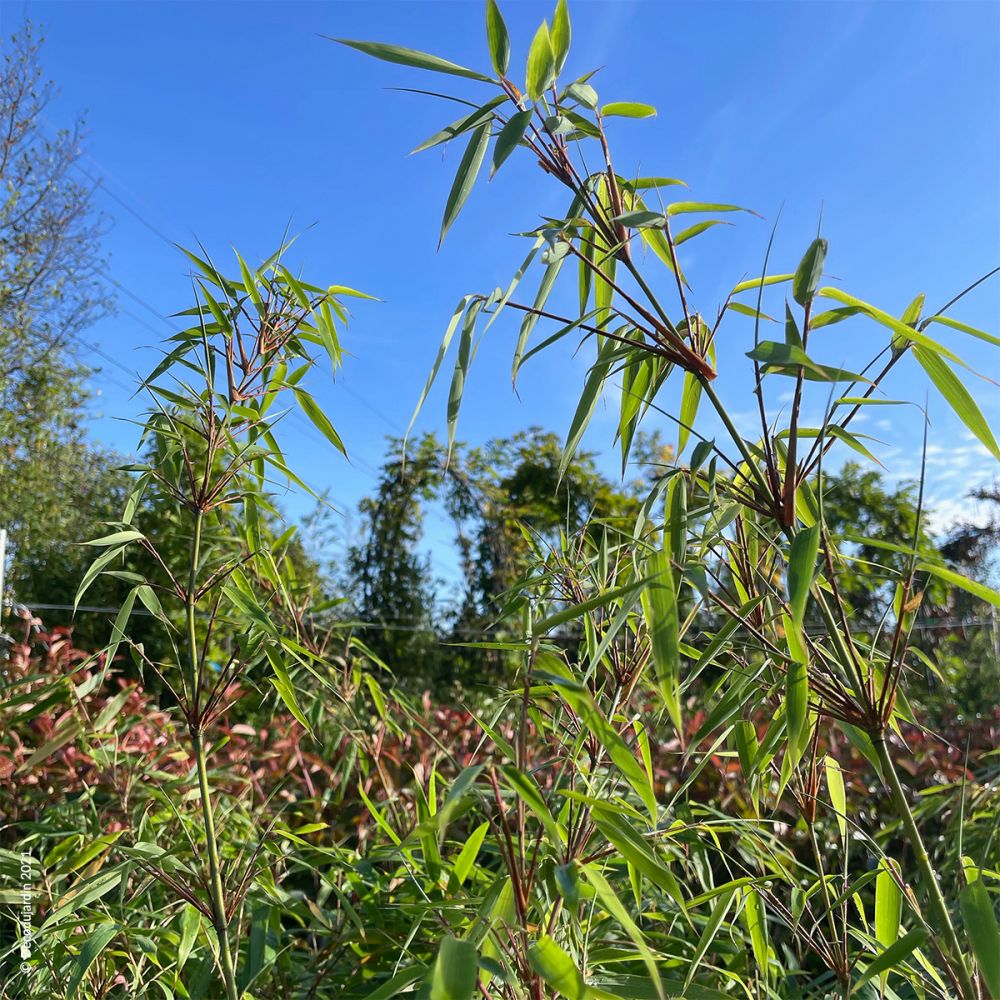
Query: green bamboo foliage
[
  {"x": 212, "y": 434},
  {"x": 716, "y": 625}
]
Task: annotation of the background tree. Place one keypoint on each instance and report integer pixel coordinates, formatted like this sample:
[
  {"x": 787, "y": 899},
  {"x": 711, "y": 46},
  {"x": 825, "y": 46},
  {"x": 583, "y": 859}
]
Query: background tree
[
  {"x": 388, "y": 578},
  {"x": 55, "y": 484}
]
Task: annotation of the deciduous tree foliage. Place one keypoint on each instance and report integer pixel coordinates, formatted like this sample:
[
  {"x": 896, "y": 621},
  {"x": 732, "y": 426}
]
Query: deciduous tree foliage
[{"x": 54, "y": 482}]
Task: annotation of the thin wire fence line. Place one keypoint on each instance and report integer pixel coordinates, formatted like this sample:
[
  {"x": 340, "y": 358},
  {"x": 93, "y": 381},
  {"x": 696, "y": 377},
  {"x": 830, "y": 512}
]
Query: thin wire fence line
[{"x": 931, "y": 625}]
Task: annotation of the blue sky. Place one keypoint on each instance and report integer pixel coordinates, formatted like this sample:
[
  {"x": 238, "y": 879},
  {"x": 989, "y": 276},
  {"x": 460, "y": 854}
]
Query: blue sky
[{"x": 220, "y": 122}]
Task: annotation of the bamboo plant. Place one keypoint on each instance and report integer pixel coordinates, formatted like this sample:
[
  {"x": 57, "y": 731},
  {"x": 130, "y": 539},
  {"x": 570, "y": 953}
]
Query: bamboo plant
[
  {"x": 212, "y": 435},
  {"x": 731, "y": 574}
]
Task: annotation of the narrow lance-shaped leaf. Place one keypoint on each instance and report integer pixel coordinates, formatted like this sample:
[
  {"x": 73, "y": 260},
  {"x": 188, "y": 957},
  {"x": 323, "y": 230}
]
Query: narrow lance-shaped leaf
[
  {"x": 891, "y": 958},
  {"x": 980, "y": 923},
  {"x": 787, "y": 359},
  {"x": 809, "y": 271},
  {"x": 610, "y": 901},
  {"x": 587, "y": 404},
  {"x": 755, "y": 918},
  {"x": 496, "y": 35},
  {"x": 410, "y": 57},
  {"x": 557, "y": 969},
  {"x": 690, "y": 397},
  {"x": 718, "y": 914},
  {"x": 510, "y": 135},
  {"x": 838, "y": 794},
  {"x": 449, "y": 333},
  {"x": 965, "y": 328},
  {"x": 468, "y": 170},
  {"x": 796, "y": 707},
  {"x": 801, "y": 570},
  {"x": 530, "y": 794},
  {"x": 560, "y": 36},
  {"x": 628, "y": 109},
  {"x": 92, "y": 948},
  {"x": 888, "y": 905},
  {"x": 541, "y": 63},
  {"x": 319, "y": 419},
  {"x": 467, "y": 123},
  {"x": 461, "y": 370},
  {"x": 466, "y": 859},
  {"x": 659, "y": 602},
  {"x": 958, "y": 398},
  {"x": 973, "y": 587},
  {"x": 903, "y": 332},
  {"x": 530, "y": 320},
  {"x": 453, "y": 976},
  {"x": 696, "y": 230}
]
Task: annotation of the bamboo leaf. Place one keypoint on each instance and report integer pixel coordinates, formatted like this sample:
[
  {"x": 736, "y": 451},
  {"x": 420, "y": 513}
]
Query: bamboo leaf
[
  {"x": 787, "y": 359},
  {"x": 979, "y": 590},
  {"x": 809, "y": 271},
  {"x": 449, "y": 333},
  {"x": 510, "y": 135},
  {"x": 560, "y": 35},
  {"x": 467, "y": 123},
  {"x": 319, "y": 419},
  {"x": 628, "y": 109},
  {"x": 468, "y": 170},
  {"x": 410, "y": 57},
  {"x": 587, "y": 404},
  {"x": 461, "y": 372},
  {"x": 92, "y": 948},
  {"x": 771, "y": 279},
  {"x": 893, "y": 956},
  {"x": 541, "y": 63},
  {"x": 838, "y": 794},
  {"x": 557, "y": 969},
  {"x": 637, "y": 851},
  {"x": 903, "y": 332},
  {"x": 610, "y": 901},
  {"x": 802, "y": 570},
  {"x": 690, "y": 397},
  {"x": 496, "y": 35},
  {"x": 286, "y": 689},
  {"x": 958, "y": 398},
  {"x": 470, "y": 851},
  {"x": 888, "y": 905},
  {"x": 453, "y": 976},
  {"x": 714, "y": 922},
  {"x": 688, "y": 207},
  {"x": 529, "y": 793},
  {"x": 755, "y": 919},
  {"x": 117, "y": 538},
  {"x": 980, "y": 923},
  {"x": 796, "y": 707},
  {"x": 629, "y": 591},
  {"x": 659, "y": 602},
  {"x": 965, "y": 328}
]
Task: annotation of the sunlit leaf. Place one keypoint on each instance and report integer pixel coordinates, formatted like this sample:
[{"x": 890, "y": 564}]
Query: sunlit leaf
[
  {"x": 410, "y": 57},
  {"x": 453, "y": 976},
  {"x": 557, "y": 969},
  {"x": 958, "y": 398},
  {"x": 560, "y": 35},
  {"x": 496, "y": 35},
  {"x": 628, "y": 109},
  {"x": 810, "y": 270},
  {"x": 541, "y": 63},
  {"x": 980, "y": 922},
  {"x": 465, "y": 178}
]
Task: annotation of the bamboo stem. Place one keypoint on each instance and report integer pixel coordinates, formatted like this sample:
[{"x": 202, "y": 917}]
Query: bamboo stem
[
  {"x": 217, "y": 896},
  {"x": 938, "y": 906}
]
